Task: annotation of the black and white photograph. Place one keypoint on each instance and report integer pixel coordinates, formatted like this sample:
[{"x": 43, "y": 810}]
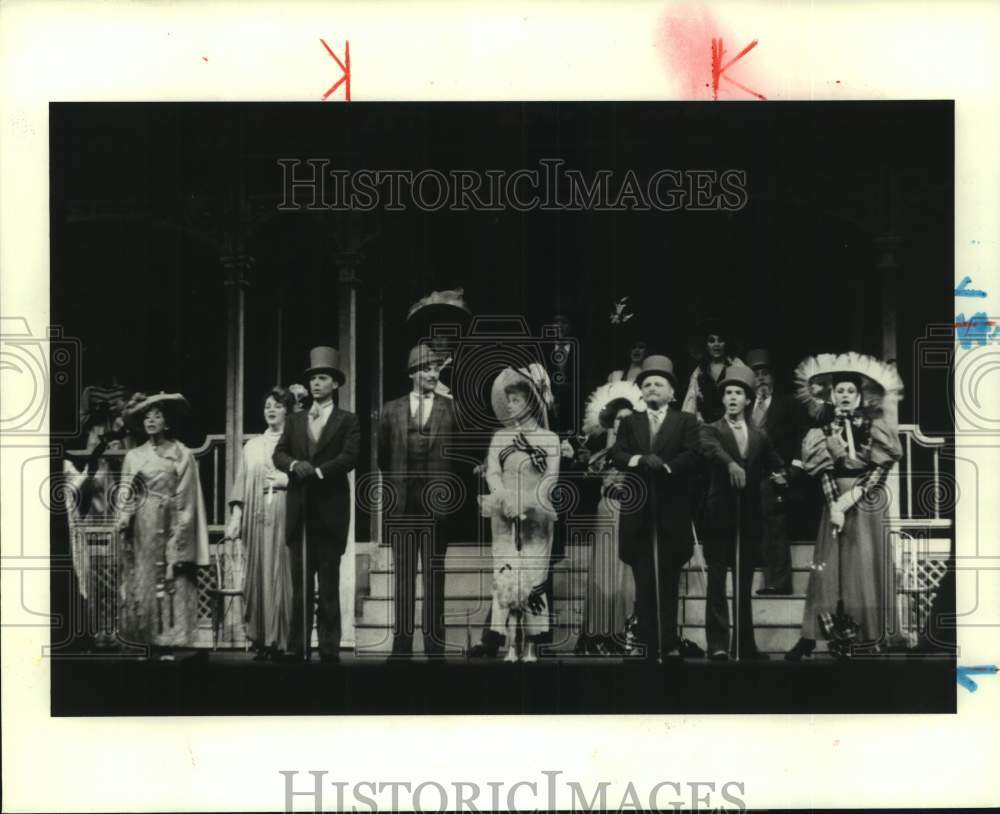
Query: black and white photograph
[{"x": 462, "y": 408}]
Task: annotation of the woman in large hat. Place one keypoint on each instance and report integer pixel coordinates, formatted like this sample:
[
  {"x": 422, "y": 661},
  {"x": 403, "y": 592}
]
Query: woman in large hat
[
  {"x": 522, "y": 467},
  {"x": 853, "y": 398},
  {"x": 610, "y": 595},
  {"x": 161, "y": 513},
  {"x": 257, "y": 517}
]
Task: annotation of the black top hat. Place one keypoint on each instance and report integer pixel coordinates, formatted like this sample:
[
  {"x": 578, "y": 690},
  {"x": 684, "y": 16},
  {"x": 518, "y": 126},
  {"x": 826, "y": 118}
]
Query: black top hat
[{"x": 325, "y": 359}]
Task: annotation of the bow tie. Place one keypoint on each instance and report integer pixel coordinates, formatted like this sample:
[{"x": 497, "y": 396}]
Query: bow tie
[{"x": 736, "y": 425}]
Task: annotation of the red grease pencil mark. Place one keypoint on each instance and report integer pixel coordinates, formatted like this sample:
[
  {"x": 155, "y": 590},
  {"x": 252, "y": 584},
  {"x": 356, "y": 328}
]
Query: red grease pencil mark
[
  {"x": 345, "y": 66},
  {"x": 989, "y": 323},
  {"x": 205, "y": 59},
  {"x": 718, "y": 69},
  {"x": 690, "y": 41}
]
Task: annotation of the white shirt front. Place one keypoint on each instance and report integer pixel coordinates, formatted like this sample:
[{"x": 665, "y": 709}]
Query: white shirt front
[{"x": 421, "y": 405}]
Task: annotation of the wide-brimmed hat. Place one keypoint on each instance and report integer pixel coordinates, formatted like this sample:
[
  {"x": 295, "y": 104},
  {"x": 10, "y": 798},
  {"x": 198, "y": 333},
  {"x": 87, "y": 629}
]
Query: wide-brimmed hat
[
  {"x": 758, "y": 357},
  {"x": 881, "y": 385},
  {"x": 658, "y": 365},
  {"x": 172, "y": 403},
  {"x": 325, "y": 359},
  {"x": 740, "y": 375},
  {"x": 537, "y": 379},
  {"x": 620, "y": 393}
]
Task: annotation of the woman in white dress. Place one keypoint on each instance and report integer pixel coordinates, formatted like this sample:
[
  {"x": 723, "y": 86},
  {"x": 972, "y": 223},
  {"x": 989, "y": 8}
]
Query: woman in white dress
[{"x": 521, "y": 470}]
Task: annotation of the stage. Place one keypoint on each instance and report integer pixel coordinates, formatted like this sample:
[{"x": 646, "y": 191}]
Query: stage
[{"x": 226, "y": 683}]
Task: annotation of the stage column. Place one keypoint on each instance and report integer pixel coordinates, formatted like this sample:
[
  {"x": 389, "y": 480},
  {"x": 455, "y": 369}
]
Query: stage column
[
  {"x": 237, "y": 270},
  {"x": 347, "y": 327}
]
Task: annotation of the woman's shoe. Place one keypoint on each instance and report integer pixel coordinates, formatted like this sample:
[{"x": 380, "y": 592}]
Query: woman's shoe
[{"x": 803, "y": 648}]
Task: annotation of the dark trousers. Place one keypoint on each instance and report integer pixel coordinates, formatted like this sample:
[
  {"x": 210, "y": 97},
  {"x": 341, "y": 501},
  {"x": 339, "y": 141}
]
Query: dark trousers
[
  {"x": 409, "y": 545},
  {"x": 322, "y": 566},
  {"x": 720, "y": 555},
  {"x": 645, "y": 599},
  {"x": 777, "y": 549}
]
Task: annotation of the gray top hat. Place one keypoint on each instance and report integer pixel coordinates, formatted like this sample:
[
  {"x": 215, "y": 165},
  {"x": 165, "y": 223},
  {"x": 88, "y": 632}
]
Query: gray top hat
[
  {"x": 657, "y": 365},
  {"x": 324, "y": 359},
  {"x": 758, "y": 357},
  {"x": 741, "y": 375}
]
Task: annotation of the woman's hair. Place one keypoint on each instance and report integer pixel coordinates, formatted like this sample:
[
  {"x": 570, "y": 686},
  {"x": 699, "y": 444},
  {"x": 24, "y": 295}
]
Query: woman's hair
[
  {"x": 628, "y": 352},
  {"x": 706, "y": 358},
  {"x": 170, "y": 419},
  {"x": 282, "y": 396},
  {"x": 610, "y": 411},
  {"x": 846, "y": 376},
  {"x": 534, "y": 404}
]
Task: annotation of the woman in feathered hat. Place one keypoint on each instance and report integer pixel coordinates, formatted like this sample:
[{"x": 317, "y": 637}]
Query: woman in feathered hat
[
  {"x": 522, "y": 467},
  {"x": 610, "y": 595},
  {"x": 853, "y": 399},
  {"x": 161, "y": 513}
]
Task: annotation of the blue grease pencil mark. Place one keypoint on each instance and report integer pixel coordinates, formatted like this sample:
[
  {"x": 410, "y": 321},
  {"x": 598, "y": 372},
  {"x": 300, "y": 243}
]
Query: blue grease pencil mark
[
  {"x": 962, "y": 291},
  {"x": 979, "y": 329},
  {"x": 963, "y": 673}
]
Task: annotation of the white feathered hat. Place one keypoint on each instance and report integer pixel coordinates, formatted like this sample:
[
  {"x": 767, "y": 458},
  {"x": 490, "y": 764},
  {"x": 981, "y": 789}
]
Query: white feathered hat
[
  {"x": 605, "y": 395},
  {"x": 881, "y": 386}
]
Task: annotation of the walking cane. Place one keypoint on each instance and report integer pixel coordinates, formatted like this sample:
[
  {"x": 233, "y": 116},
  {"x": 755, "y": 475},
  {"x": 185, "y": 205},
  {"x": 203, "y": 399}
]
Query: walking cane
[
  {"x": 306, "y": 633},
  {"x": 737, "y": 628},
  {"x": 656, "y": 573}
]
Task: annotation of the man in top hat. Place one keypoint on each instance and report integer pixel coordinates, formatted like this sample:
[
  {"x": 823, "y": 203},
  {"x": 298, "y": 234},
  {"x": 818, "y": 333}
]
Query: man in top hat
[
  {"x": 781, "y": 417},
  {"x": 317, "y": 449},
  {"x": 413, "y": 431},
  {"x": 740, "y": 456},
  {"x": 661, "y": 447}
]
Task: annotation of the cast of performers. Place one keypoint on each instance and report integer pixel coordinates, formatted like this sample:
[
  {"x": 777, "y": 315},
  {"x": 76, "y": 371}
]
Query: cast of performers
[
  {"x": 412, "y": 433},
  {"x": 853, "y": 402},
  {"x": 740, "y": 456},
  {"x": 164, "y": 530},
  {"x": 317, "y": 450},
  {"x": 521, "y": 471},
  {"x": 257, "y": 517},
  {"x": 661, "y": 446},
  {"x": 609, "y": 599},
  {"x": 781, "y": 417}
]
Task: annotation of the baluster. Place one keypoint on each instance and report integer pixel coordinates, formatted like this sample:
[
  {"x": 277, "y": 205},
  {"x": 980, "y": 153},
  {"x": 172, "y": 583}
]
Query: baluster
[
  {"x": 909, "y": 475},
  {"x": 937, "y": 494},
  {"x": 215, "y": 483}
]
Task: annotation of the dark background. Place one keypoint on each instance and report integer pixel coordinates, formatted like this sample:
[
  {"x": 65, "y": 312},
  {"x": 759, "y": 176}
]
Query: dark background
[{"x": 142, "y": 196}]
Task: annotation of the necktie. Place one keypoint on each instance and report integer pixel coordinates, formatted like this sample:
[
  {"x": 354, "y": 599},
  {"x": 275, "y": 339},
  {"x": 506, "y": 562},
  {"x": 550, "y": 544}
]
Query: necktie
[
  {"x": 655, "y": 420},
  {"x": 315, "y": 423},
  {"x": 760, "y": 412},
  {"x": 739, "y": 430}
]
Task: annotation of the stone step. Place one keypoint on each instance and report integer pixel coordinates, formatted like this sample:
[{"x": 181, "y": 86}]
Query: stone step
[
  {"x": 469, "y": 557},
  {"x": 567, "y": 582},
  {"x": 786, "y": 611},
  {"x": 376, "y": 641}
]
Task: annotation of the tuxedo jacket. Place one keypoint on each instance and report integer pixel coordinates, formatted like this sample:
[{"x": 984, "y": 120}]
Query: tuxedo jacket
[
  {"x": 441, "y": 426},
  {"x": 676, "y": 442},
  {"x": 718, "y": 445},
  {"x": 326, "y": 501}
]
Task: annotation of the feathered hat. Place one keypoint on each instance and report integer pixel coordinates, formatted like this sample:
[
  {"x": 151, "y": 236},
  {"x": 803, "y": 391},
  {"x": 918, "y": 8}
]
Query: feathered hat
[
  {"x": 881, "y": 386},
  {"x": 537, "y": 379},
  {"x": 603, "y": 397}
]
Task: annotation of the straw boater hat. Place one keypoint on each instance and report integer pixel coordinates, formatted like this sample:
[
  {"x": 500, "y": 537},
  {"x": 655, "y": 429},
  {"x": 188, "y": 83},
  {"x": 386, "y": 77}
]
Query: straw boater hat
[
  {"x": 174, "y": 404},
  {"x": 740, "y": 375},
  {"x": 881, "y": 386},
  {"x": 658, "y": 365},
  {"x": 537, "y": 380},
  {"x": 615, "y": 395},
  {"x": 324, "y": 359}
]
